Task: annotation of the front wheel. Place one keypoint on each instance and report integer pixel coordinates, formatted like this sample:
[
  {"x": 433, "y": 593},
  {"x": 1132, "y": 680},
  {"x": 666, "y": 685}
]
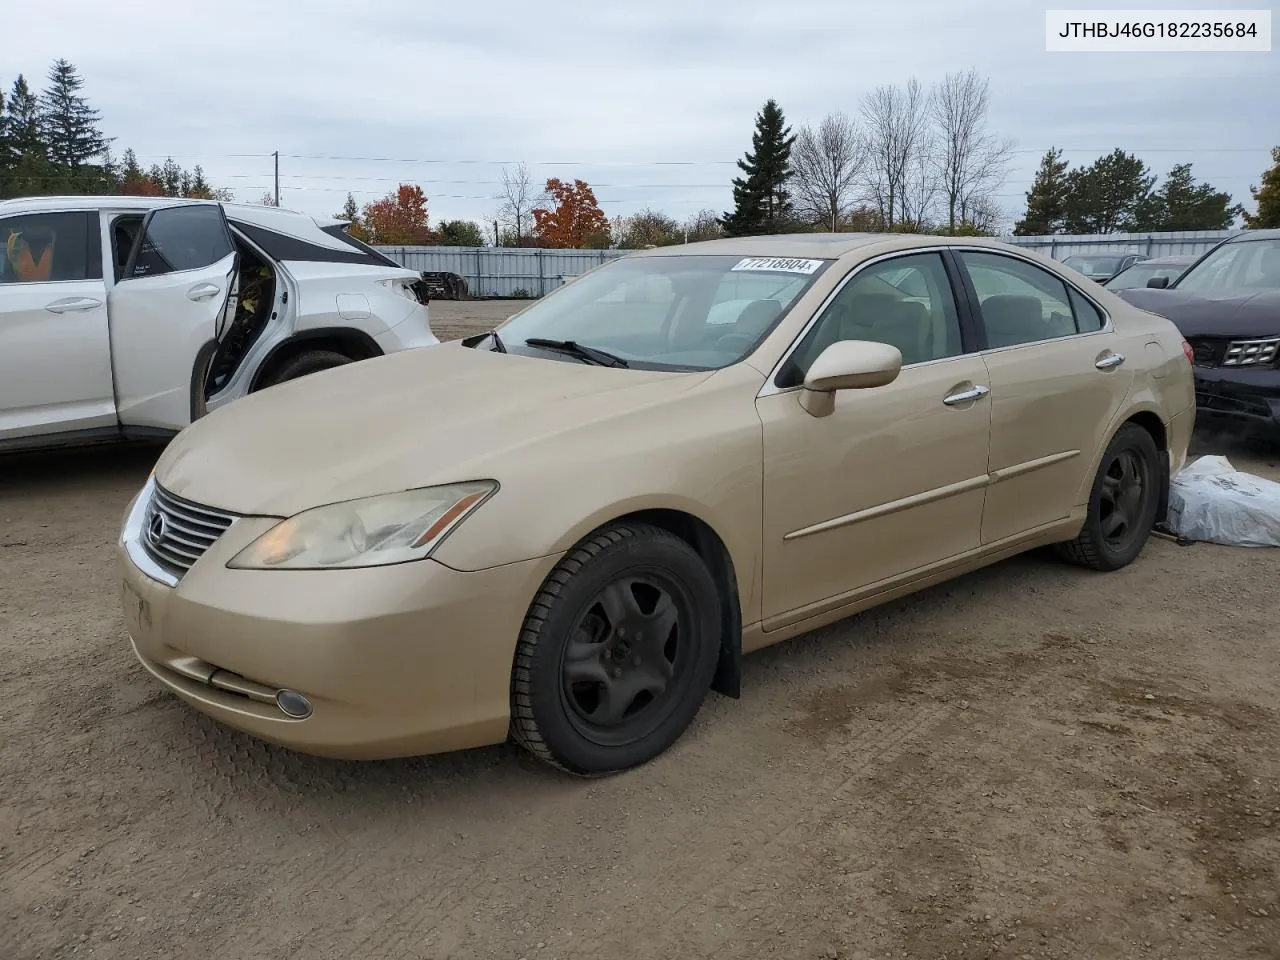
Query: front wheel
[
  {"x": 1122, "y": 504},
  {"x": 617, "y": 651}
]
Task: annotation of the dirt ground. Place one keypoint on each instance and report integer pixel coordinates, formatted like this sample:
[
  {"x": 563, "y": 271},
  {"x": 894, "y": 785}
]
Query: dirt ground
[{"x": 1031, "y": 761}]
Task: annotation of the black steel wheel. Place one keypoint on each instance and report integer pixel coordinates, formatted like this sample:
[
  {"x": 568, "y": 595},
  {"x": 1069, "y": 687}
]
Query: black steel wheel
[
  {"x": 617, "y": 651},
  {"x": 1123, "y": 503}
]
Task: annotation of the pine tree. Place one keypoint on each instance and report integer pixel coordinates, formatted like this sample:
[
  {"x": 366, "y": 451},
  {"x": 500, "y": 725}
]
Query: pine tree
[
  {"x": 761, "y": 201},
  {"x": 8, "y": 155},
  {"x": 1109, "y": 195},
  {"x": 1047, "y": 198},
  {"x": 1183, "y": 204},
  {"x": 349, "y": 212},
  {"x": 69, "y": 124},
  {"x": 1267, "y": 196},
  {"x": 30, "y": 172}
]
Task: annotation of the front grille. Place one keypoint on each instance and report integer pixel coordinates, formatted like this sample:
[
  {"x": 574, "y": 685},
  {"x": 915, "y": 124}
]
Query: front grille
[
  {"x": 177, "y": 532},
  {"x": 1251, "y": 353}
]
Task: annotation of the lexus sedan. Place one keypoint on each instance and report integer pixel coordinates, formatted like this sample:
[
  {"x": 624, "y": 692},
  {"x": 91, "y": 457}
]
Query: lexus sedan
[{"x": 628, "y": 497}]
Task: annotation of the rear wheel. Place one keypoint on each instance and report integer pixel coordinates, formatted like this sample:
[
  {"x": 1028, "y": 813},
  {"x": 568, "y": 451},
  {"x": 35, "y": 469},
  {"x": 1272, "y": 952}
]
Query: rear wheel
[
  {"x": 1122, "y": 505},
  {"x": 617, "y": 651},
  {"x": 309, "y": 361}
]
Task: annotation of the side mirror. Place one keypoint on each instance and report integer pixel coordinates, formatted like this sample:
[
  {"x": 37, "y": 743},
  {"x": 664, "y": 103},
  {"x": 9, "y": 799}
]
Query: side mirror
[
  {"x": 1158, "y": 282},
  {"x": 848, "y": 365}
]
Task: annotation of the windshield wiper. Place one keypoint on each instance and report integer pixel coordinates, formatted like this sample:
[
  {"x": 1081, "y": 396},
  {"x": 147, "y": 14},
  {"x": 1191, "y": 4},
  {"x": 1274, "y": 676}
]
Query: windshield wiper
[
  {"x": 590, "y": 354},
  {"x": 479, "y": 338}
]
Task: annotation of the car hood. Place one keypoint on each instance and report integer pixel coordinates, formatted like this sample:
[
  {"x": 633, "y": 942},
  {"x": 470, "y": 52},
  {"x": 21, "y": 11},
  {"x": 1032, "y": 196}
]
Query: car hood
[
  {"x": 438, "y": 414},
  {"x": 1254, "y": 313}
]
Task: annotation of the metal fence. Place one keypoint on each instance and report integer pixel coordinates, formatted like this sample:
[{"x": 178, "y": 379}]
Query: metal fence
[
  {"x": 1183, "y": 243},
  {"x": 503, "y": 271},
  {"x": 525, "y": 272}
]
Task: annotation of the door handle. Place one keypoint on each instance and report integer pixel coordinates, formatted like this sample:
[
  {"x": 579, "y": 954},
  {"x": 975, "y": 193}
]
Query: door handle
[
  {"x": 1110, "y": 362},
  {"x": 73, "y": 305},
  {"x": 203, "y": 291},
  {"x": 976, "y": 392}
]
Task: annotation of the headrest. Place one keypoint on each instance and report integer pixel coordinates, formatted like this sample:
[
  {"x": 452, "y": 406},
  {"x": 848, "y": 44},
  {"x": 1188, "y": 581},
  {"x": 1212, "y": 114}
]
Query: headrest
[
  {"x": 757, "y": 315},
  {"x": 1012, "y": 319}
]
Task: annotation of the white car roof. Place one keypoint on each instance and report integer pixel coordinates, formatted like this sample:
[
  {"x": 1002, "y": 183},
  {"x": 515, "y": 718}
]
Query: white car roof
[
  {"x": 278, "y": 218},
  {"x": 291, "y": 223}
]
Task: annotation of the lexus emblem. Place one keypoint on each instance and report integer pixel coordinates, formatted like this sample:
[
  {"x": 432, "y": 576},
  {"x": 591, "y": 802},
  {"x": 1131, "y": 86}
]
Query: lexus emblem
[{"x": 155, "y": 529}]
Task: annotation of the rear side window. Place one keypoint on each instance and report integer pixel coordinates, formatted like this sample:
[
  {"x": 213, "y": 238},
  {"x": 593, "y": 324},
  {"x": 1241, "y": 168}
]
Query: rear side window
[
  {"x": 181, "y": 238},
  {"x": 1088, "y": 317},
  {"x": 1019, "y": 302},
  {"x": 50, "y": 248},
  {"x": 281, "y": 246}
]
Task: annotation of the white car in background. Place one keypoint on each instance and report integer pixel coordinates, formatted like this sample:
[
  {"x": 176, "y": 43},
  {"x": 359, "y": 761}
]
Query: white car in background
[{"x": 133, "y": 316}]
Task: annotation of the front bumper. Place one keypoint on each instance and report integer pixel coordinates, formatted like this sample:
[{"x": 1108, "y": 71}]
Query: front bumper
[
  {"x": 1240, "y": 394},
  {"x": 396, "y": 661}
]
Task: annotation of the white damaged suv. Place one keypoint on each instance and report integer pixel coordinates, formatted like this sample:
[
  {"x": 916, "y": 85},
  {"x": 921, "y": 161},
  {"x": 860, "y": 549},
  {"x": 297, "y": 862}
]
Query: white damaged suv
[{"x": 125, "y": 317}]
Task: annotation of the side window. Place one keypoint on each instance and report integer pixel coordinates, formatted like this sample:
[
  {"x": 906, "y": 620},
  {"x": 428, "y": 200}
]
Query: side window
[
  {"x": 181, "y": 238},
  {"x": 1019, "y": 302},
  {"x": 50, "y": 247},
  {"x": 906, "y": 302},
  {"x": 1089, "y": 318}
]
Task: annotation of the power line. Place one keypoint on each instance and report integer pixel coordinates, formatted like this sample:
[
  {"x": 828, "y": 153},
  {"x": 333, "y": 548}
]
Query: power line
[{"x": 637, "y": 163}]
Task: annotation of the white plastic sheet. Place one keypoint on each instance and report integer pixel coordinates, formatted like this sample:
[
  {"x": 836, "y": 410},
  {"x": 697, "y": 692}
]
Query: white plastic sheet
[{"x": 1211, "y": 500}]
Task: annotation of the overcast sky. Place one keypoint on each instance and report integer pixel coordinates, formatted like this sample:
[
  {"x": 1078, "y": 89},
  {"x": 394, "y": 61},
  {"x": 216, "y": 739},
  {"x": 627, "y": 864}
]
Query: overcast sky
[{"x": 650, "y": 102}]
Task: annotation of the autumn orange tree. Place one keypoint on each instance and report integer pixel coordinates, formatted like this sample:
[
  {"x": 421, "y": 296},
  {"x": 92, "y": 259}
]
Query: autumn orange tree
[
  {"x": 575, "y": 221},
  {"x": 399, "y": 218}
]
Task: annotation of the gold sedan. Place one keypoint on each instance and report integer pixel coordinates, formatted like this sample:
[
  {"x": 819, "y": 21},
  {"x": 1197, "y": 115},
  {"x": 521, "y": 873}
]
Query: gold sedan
[{"x": 569, "y": 530}]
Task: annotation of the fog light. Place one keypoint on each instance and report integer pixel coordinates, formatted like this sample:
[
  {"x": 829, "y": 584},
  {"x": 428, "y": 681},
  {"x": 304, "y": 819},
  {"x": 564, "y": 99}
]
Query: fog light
[{"x": 293, "y": 704}]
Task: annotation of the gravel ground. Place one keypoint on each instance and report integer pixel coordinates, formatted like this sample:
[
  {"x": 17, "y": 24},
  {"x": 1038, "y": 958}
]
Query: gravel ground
[{"x": 1031, "y": 761}]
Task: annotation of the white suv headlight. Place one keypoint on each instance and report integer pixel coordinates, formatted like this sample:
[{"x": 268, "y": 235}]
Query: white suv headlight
[{"x": 371, "y": 532}]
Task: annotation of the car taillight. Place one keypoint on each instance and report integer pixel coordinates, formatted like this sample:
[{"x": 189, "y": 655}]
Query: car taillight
[{"x": 1188, "y": 353}]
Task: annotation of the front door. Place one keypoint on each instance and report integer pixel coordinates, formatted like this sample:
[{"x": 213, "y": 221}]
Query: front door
[
  {"x": 55, "y": 353},
  {"x": 172, "y": 301},
  {"x": 893, "y": 480},
  {"x": 1058, "y": 379}
]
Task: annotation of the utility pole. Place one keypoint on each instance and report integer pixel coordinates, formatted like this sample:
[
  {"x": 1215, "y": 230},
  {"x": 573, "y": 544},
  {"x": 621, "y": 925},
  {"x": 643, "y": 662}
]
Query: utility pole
[{"x": 276, "y": 156}]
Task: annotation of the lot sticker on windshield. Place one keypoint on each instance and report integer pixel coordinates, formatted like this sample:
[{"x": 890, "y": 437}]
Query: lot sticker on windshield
[{"x": 778, "y": 264}]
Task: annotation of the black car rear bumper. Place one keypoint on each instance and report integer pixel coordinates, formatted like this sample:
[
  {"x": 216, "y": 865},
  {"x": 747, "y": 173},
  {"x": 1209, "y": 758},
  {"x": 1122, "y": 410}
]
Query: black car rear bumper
[{"x": 1241, "y": 394}]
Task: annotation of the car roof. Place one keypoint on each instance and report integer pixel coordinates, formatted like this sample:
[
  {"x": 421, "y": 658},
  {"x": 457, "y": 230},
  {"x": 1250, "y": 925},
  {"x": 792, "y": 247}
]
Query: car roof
[
  {"x": 824, "y": 246},
  {"x": 249, "y": 212},
  {"x": 1171, "y": 260},
  {"x": 1248, "y": 235}
]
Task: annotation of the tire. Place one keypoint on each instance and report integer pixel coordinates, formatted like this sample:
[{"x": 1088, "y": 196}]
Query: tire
[
  {"x": 1131, "y": 456},
  {"x": 309, "y": 361},
  {"x": 582, "y": 697}
]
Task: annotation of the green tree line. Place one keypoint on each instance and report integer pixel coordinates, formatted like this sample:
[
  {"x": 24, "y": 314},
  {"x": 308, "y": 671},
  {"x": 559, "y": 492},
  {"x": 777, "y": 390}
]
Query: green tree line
[{"x": 52, "y": 143}]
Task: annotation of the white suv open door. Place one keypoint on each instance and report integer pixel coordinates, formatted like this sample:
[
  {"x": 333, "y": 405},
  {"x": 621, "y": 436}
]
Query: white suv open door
[{"x": 174, "y": 299}]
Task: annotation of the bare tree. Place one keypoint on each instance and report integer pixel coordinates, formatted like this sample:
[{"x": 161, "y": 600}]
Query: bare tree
[
  {"x": 518, "y": 198},
  {"x": 896, "y": 121},
  {"x": 826, "y": 164},
  {"x": 703, "y": 225},
  {"x": 972, "y": 164}
]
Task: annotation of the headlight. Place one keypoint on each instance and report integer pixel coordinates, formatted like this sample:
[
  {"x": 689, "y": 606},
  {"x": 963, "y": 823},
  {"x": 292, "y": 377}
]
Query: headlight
[{"x": 372, "y": 532}]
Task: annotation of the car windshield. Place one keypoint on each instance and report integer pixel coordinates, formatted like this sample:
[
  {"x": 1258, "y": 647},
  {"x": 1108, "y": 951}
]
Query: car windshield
[
  {"x": 1139, "y": 274},
  {"x": 678, "y": 312},
  {"x": 1243, "y": 264},
  {"x": 1094, "y": 266}
]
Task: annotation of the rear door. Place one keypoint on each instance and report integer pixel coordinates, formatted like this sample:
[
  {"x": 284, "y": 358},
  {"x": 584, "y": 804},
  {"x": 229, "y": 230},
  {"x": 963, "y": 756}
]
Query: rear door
[
  {"x": 55, "y": 358},
  {"x": 167, "y": 312},
  {"x": 1057, "y": 378}
]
